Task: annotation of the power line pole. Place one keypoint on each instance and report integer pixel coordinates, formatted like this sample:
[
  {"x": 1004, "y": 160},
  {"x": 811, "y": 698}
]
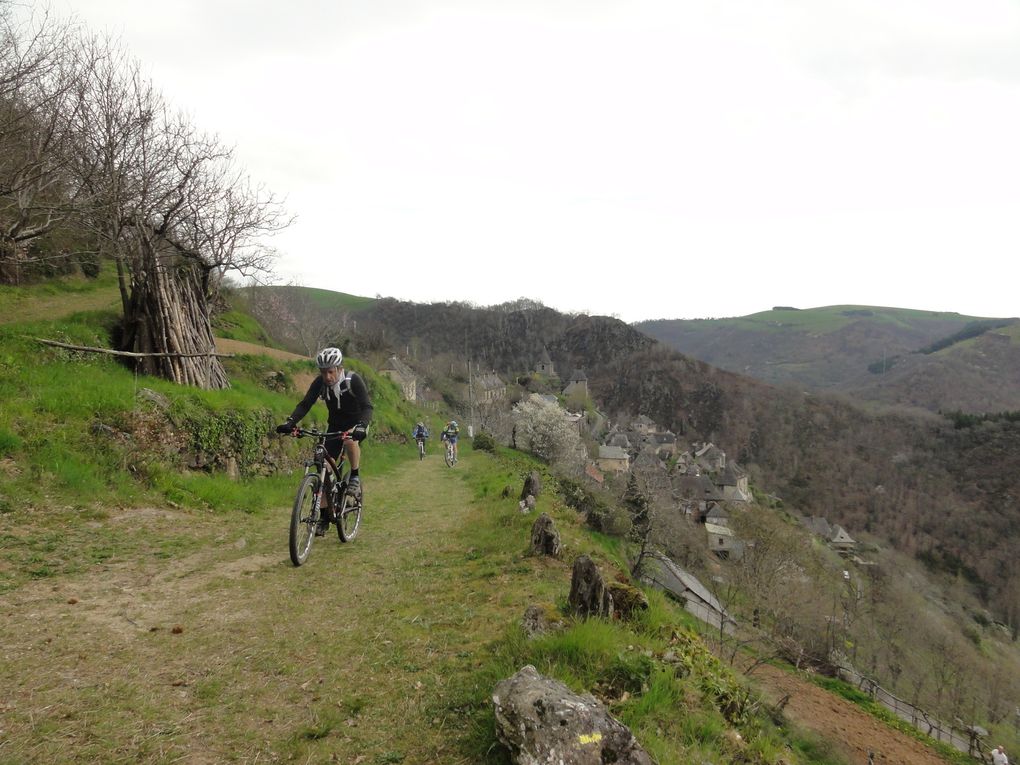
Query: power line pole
[{"x": 471, "y": 402}]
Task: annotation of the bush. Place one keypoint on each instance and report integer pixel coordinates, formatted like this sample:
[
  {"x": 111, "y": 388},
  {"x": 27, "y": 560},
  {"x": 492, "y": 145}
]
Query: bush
[{"x": 485, "y": 442}]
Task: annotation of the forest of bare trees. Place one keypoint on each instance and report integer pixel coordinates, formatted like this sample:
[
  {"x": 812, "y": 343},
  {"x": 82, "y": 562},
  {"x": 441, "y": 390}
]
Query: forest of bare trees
[{"x": 89, "y": 147}]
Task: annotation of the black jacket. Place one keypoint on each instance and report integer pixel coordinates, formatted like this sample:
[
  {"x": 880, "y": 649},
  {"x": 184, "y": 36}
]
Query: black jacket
[{"x": 351, "y": 407}]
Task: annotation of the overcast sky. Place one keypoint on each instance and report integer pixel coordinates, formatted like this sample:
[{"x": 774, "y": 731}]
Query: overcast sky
[{"x": 641, "y": 158}]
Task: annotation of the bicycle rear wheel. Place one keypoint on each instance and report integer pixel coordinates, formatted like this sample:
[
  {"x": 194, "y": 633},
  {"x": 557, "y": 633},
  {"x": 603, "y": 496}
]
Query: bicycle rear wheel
[{"x": 303, "y": 519}]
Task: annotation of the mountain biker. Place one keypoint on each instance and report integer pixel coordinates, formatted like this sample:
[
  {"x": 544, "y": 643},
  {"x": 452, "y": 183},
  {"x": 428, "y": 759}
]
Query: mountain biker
[
  {"x": 450, "y": 433},
  {"x": 420, "y": 432},
  {"x": 350, "y": 409}
]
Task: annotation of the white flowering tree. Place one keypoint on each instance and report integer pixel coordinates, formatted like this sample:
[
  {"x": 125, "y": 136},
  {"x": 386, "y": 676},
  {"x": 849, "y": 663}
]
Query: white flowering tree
[{"x": 542, "y": 428}]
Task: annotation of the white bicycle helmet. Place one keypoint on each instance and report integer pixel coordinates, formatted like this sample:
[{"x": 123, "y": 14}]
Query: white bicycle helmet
[{"x": 329, "y": 358}]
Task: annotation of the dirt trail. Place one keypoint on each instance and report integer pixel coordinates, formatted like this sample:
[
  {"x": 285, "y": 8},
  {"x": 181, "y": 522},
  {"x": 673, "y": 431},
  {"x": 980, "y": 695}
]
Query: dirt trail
[
  {"x": 837, "y": 720},
  {"x": 226, "y": 345},
  {"x": 227, "y": 653}
]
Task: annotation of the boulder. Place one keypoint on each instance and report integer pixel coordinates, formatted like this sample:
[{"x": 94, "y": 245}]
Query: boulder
[
  {"x": 532, "y": 485},
  {"x": 545, "y": 539},
  {"x": 589, "y": 595},
  {"x": 540, "y": 720}
]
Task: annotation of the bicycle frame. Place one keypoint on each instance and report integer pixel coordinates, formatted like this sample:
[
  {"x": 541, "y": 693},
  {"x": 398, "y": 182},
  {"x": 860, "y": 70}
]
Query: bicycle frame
[
  {"x": 306, "y": 521},
  {"x": 320, "y": 456}
]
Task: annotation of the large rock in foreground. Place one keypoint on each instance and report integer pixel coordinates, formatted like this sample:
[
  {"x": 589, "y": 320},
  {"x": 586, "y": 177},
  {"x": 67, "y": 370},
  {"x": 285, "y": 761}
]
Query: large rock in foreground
[{"x": 542, "y": 722}]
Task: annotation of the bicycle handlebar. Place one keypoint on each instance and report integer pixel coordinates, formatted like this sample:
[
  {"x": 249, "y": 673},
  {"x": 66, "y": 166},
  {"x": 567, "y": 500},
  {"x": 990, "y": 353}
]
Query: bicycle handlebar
[{"x": 302, "y": 432}]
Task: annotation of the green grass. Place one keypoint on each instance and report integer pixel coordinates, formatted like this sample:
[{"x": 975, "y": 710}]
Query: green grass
[
  {"x": 78, "y": 437},
  {"x": 328, "y": 299},
  {"x": 237, "y": 325}
]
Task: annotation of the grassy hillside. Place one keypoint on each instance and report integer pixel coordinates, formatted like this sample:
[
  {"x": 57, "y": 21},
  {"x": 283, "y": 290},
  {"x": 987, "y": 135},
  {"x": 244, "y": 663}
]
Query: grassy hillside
[
  {"x": 875, "y": 354},
  {"x": 152, "y": 614},
  {"x": 823, "y": 319},
  {"x": 60, "y": 296}
]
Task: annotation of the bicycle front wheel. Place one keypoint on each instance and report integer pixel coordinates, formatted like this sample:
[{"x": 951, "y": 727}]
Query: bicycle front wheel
[
  {"x": 348, "y": 518},
  {"x": 421, "y": 450},
  {"x": 449, "y": 454},
  {"x": 303, "y": 519}
]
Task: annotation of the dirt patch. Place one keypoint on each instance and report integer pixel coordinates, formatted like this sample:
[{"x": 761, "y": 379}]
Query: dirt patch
[
  {"x": 301, "y": 380},
  {"x": 224, "y": 345},
  {"x": 835, "y": 719}
]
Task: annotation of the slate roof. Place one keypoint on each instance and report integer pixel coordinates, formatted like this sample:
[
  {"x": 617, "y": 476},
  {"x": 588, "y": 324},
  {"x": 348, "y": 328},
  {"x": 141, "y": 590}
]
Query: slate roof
[
  {"x": 677, "y": 580},
  {"x": 612, "y": 453},
  {"x": 396, "y": 365},
  {"x": 715, "y": 528},
  {"x": 731, "y": 474}
]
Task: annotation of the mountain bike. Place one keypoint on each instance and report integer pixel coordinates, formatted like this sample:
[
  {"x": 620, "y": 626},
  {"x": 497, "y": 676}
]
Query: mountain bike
[
  {"x": 421, "y": 448},
  {"x": 451, "y": 455},
  {"x": 321, "y": 471}
]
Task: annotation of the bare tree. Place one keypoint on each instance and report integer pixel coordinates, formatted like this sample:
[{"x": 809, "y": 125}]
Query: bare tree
[
  {"x": 39, "y": 69},
  {"x": 172, "y": 210}
]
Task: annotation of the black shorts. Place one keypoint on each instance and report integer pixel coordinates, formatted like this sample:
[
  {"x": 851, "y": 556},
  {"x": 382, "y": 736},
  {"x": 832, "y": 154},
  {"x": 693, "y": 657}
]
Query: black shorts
[{"x": 333, "y": 444}]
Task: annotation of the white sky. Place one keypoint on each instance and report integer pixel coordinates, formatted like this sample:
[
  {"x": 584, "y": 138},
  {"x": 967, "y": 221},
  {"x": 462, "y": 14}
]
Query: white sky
[{"x": 643, "y": 158}]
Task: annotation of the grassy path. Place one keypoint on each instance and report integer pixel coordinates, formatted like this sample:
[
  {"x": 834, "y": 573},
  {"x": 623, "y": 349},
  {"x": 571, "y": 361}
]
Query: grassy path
[{"x": 196, "y": 640}]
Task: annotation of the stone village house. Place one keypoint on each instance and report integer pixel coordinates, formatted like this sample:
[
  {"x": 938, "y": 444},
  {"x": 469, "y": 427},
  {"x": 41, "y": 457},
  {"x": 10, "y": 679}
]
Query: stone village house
[
  {"x": 722, "y": 542},
  {"x": 402, "y": 376},
  {"x": 732, "y": 482},
  {"x": 835, "y": 536},
  {"x": 545, "y": 365},
  {"x": 644, "y": 425},
  {"x": 710, "y": 457},
  {"x": 489, "y": 388},
  {"x": 660, "y": 571},
  {"x": 613, "y": 459},
  {"x": 578, "y": 384}
]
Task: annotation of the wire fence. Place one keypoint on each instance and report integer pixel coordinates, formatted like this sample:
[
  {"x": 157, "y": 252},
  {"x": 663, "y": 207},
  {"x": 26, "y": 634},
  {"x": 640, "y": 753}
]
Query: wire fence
[{"x": 938, "y": 730}]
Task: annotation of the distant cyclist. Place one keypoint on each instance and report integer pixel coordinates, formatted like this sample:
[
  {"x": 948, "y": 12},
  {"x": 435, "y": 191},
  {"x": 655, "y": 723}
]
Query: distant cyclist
[
  {"x": 420, "y": 432},
  {"x": 350, "y": 409},
  {"x": 450, "y": 433}
]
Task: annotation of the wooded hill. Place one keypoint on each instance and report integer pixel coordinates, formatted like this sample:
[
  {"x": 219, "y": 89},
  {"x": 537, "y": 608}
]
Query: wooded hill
[
  {"x": 932, "y": 360},
  {"x": 943, "y": 493}
]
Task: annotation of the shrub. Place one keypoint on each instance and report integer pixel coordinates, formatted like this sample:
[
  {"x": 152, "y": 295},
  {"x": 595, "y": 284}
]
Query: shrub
[{"x": 485, "y": 442}]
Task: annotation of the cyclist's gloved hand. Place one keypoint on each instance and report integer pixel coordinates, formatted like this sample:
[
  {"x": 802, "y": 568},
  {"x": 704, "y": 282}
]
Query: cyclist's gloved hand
[
  {"x": 286, "y": 427},
  {"x": 358, "y": 432}
]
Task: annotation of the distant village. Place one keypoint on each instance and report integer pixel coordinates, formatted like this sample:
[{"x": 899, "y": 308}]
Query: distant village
[{"x": 707, "y": 486}]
